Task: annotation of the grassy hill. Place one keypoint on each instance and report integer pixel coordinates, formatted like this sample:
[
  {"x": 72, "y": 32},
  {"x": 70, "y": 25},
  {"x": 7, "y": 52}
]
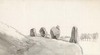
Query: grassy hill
[{"x": 13, "y": 42}]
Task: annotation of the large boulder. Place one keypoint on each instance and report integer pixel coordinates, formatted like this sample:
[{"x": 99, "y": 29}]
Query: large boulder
[{"x": 55, "y": 32}]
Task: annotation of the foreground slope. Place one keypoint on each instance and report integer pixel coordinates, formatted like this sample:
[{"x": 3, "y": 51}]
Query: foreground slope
[
  {"x": 13, "y": 42},
  {"x": 44, "y": 46}
]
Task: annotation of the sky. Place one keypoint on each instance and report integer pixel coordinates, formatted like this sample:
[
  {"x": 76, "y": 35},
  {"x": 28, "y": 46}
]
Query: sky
[{"x": 26, "y": 14}]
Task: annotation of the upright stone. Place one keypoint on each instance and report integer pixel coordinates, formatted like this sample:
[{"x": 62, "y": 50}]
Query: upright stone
[
  {"x": 74, "y": 35},
  {"x": 33, "y": 32},
  {"x": 43, "y": 32}
]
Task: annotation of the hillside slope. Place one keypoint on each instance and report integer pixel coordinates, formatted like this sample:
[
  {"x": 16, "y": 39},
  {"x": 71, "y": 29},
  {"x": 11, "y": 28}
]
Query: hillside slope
[
  {"x": 13, "y": 42},
  {"x": 44, "y": 46}
]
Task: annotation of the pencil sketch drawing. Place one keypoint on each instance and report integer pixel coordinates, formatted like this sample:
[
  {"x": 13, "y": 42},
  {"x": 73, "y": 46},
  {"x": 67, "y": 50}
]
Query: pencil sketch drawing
[{"x": 49, "y": 27}]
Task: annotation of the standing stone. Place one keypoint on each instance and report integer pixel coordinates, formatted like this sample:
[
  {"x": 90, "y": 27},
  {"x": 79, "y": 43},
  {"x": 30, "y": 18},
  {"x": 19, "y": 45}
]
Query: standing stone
[
  {"x": 43, "y": 32},
  {"x": 55, "y": 32},
  {"x": 33, "y": 32},
  {"x": 74, "y": 35}
]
